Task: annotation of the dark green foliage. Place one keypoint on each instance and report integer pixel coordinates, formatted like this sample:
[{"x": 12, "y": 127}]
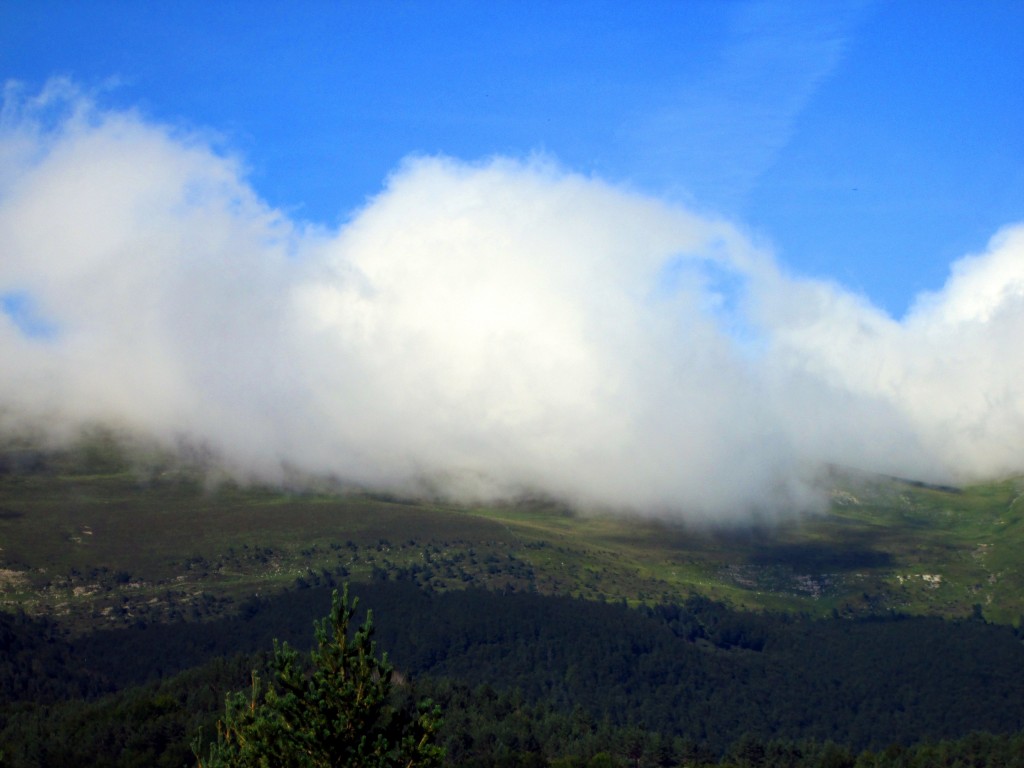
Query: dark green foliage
[
  {"x": 36, "y": 663},
  {"x": 524, "y": 679},
  {"x": 142, "y": 727},
  {"x": 336, "y": 710}
]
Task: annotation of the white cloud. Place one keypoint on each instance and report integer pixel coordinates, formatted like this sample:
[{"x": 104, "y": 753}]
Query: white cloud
[
  {"x": 946, "y": 379},
  {"x": 483, "y": 329}
]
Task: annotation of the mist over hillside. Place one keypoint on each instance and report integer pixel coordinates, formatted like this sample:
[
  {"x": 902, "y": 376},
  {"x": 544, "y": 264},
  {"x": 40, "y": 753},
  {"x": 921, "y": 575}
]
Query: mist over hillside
[{"x": 478, "y": 330}]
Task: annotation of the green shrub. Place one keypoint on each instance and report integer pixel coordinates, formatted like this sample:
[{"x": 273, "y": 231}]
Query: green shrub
[{"x": 337, "y": 709}]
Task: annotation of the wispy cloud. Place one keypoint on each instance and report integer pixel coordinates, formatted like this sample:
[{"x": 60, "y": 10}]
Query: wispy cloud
[
  {"x": 713, "y": 136},
  {"x": 481, "y": 330}
]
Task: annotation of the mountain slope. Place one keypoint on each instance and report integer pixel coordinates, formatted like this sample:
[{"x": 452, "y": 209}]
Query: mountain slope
[{"x": 107, "y": 538}]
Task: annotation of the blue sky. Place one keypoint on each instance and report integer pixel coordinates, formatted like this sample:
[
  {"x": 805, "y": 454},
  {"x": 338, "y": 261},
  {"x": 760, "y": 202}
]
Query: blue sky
[{"x": 869, "y": 143}]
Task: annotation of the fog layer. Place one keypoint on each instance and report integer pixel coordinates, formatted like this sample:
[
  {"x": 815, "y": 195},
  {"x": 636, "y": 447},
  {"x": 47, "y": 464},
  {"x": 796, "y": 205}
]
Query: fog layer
[{"x": 479, "y": 330}]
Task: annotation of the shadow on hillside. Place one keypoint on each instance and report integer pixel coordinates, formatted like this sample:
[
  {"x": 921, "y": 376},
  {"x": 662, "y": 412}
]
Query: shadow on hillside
[
  {"x": 848, "y": 550},
  {"x": 815, "y": 557}
]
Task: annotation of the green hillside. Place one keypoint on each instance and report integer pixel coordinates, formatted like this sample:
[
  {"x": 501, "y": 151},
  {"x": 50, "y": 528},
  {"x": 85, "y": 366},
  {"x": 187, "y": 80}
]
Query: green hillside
[
  {"x": 104, "y": 537},
  {"x": 152, "y": 585}
]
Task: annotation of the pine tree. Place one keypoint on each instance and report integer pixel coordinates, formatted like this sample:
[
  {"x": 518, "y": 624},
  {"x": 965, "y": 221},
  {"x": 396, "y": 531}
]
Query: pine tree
[{"x": 336, "y": 709}]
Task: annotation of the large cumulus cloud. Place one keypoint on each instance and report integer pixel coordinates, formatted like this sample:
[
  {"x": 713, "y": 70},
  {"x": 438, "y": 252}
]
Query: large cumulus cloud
[{"x": 476, "y": 329}]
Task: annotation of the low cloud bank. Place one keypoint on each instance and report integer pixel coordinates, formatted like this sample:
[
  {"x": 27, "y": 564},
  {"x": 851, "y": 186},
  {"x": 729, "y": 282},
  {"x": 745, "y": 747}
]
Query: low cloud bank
[{"x": 479, "y": 330}]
